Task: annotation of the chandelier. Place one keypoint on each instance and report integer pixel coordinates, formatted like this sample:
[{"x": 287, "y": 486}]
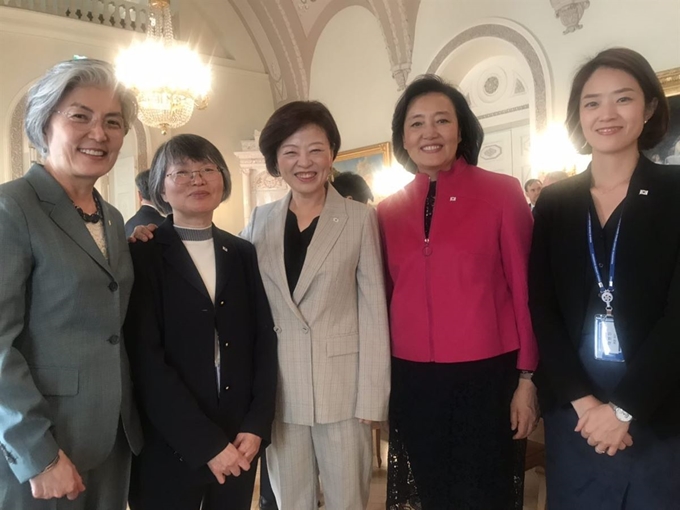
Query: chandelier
[{"x": 168, "y": 78}]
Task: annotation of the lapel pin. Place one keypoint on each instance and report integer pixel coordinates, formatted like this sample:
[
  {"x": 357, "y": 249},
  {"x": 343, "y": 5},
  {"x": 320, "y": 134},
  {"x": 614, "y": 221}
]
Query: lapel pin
[
  {"x": 644, "y": 192},
  {"x": 109, "y": 223},
  {"x": 224, "y": 248},
  {"x": 452, "y": 199}
]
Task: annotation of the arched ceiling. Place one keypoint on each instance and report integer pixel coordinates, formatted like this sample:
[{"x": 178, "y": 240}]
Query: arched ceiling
[{"x": 285, "y": 33}]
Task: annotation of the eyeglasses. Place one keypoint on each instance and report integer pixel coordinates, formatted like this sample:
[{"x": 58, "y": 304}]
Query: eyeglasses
[
  {"x": 183, "y": 177},
  {"x": 85, "y": 120}
]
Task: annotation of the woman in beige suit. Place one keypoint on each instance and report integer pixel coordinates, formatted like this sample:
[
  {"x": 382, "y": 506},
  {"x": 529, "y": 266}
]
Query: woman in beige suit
[{"x": 320, "y": 261}]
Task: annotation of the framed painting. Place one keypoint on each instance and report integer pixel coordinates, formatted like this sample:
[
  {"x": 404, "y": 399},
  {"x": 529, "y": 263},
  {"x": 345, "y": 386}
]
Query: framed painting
[
  {"x": 368, "y": 162},
  {"x": 668, "y": 151}
]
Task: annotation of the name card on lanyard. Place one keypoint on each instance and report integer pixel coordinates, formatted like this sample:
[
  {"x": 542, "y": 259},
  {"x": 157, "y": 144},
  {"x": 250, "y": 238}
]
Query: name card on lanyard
[{"x": 606, "y": 345}]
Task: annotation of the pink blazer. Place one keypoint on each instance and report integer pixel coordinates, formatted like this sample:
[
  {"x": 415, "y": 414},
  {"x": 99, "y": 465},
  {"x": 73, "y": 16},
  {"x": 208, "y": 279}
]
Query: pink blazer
[{"x": 460, "y": 295}]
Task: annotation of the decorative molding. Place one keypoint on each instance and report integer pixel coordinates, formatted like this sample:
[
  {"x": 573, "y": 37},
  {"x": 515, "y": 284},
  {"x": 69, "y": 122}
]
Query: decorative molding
[
  {"x": 282, "y": 45},
  {"x": 537, "y": 65},
  {"x": 503, "y": 112},
  {"x": 16, "y": 139},
  {"x": 140, "y": 137},
  {"x": 570, "y": 13},
  {"x": 296, "y": 48},
  {"x": 259, "y": 187}
]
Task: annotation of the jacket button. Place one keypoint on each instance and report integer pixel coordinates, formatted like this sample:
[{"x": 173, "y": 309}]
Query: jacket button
[
  {"x": 113, "y": 286},
  {"x": 113, "y": 340},
  {"x": 305, "y": 329},
  {"x": 277, "y": 329}
]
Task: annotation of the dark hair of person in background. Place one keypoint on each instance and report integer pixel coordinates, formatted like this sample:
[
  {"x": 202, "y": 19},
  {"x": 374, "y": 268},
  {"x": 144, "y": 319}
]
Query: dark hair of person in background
[
  {"x": 636, "y": 65},
  {"x": 178, "y": 149},
  {"x": 471, "y": 132},
  {"x": 351, "y": 185},
  {"x": 530, "y": 182},
  {"x": 142, "y": 183},
  {"x": 287, "y": 120}
]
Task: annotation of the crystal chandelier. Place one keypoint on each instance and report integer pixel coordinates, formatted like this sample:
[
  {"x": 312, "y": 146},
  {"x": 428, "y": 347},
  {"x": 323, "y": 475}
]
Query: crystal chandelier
[{"x": 168, "y": 78}]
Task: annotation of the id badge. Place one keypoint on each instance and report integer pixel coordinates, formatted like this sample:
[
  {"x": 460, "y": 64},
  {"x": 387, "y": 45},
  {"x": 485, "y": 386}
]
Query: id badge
[{"x": 607, "y": 346}]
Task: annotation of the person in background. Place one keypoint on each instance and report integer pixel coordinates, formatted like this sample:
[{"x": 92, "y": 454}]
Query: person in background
[
  {"x": 201, "y": 340},
  {"x": 147, "y": 213},
  {"x": 68, "y": 421},
  {"x": 322, "y": 270},
  {"x": 456, "y": 243},
  {"x": 604, "y": 285},
  {"x": 553, "y": 177},
  {"x": 353, "y": 187},
  {"x": 532, "y": 189}
]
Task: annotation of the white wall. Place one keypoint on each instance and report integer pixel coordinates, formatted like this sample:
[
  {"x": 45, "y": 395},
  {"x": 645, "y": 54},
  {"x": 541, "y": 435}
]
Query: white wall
[
  {"x": 351, "y": 75},
  {"x": 31, "y": 43},
  {"x": 350, "y": 70},
  {"x": 650, "y": 27}
]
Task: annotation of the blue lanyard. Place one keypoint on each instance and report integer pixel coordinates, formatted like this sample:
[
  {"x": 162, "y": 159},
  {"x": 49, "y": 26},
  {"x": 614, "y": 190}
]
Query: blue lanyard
[{"x": 607, "y": 295}]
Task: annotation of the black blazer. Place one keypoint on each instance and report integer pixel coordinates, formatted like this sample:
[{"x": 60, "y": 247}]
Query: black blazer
[
  {"x": 144, "y": 216},
  {"x": 170, "y": 334},
  {"x": 647, "y": 293}
]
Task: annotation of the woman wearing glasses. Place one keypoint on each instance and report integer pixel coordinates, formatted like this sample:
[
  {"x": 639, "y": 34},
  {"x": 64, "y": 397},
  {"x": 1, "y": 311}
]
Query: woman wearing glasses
[
  {"x": 67, "y": 417},
  {"x": 201, "y": 340}
]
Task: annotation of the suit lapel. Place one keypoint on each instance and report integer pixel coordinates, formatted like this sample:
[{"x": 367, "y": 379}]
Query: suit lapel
[
  {"x": 637, "y": 227},
  {"x": 225, "y": 253},
  {"x": 331, "y": 223},
  {"x": 113, "y": 241},
  {"x": 177, "y": 256},
  {"x": 578, "y": 205},
  {"x": 274, "y": 232},
  {"x": 61, "y": 210}
]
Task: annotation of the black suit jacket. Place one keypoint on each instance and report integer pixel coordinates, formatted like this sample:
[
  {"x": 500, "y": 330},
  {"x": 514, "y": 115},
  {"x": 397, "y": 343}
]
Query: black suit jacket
[
  {"x": 170, "y": 333},
  {"x": 144, "y": 216},
  {"x": 647, "y": 293}
]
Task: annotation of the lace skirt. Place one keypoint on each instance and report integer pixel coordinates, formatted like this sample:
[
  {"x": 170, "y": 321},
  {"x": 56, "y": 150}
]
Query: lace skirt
[{"x": 451, "y": 446}]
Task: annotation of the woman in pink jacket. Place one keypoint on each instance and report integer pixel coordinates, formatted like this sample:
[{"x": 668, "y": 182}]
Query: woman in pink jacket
[{"x": 457, "y": 243}]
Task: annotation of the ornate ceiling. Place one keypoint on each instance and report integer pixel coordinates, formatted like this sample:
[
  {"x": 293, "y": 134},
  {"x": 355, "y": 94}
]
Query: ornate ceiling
[{"x": 286, "y": 32}]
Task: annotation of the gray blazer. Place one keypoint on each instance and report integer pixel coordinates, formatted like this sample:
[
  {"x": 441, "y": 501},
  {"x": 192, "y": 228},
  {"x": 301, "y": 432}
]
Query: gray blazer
[
  {"x": 334, "y": 354},
  {"x": 64, "y": 375}
]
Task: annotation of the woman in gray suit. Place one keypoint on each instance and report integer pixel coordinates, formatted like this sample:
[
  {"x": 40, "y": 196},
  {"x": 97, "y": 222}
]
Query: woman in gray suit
[
  {"x": 67, "y": 418},
  {"x": 320, "y": 261}
]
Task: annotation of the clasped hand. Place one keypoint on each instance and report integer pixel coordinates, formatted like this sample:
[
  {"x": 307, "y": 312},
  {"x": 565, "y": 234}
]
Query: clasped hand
[
  {"x": 235, "y": 457},
  {"x": 599, "y": 426},
  {"x": 60, "y": 480}
]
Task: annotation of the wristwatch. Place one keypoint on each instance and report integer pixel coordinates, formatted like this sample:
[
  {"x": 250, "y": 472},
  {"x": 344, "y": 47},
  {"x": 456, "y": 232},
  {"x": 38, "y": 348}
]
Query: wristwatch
[{"x": 621, "y": 415}]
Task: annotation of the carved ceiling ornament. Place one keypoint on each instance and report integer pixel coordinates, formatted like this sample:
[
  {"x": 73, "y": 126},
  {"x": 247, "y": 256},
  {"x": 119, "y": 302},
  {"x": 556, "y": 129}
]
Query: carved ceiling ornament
[{"x": 570, "y": 13}]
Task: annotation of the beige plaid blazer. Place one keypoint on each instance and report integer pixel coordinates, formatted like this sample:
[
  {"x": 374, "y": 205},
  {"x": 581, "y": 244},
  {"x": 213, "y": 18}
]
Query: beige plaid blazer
[{"x": 334, "y": 355}]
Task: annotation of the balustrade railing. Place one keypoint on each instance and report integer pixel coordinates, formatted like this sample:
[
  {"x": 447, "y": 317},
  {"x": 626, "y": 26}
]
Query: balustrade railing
[{"x": 127, "y": 15}]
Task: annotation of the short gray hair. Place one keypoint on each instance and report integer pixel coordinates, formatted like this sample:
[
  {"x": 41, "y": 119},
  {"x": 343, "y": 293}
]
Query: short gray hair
[
  {"x": 47, "y": 93},
  {"x": 178, "y": 149}
]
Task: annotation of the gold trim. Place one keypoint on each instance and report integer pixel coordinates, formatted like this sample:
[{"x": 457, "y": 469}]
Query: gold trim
[
  {"x": 370, "y": 150},
  {"x": 159, "y": 4},
  {"x": 670, "y": 80}
]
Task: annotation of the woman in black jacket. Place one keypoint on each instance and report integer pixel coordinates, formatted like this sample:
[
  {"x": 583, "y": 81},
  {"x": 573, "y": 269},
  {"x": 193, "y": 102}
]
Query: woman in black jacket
[
  {"x": 605, "y": 299},
  {"x": 202, "y": 343}
]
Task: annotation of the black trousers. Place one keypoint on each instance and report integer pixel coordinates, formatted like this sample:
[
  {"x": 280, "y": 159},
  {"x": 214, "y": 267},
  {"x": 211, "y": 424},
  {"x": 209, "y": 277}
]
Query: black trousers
[{"x": 162, "y": 481}]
